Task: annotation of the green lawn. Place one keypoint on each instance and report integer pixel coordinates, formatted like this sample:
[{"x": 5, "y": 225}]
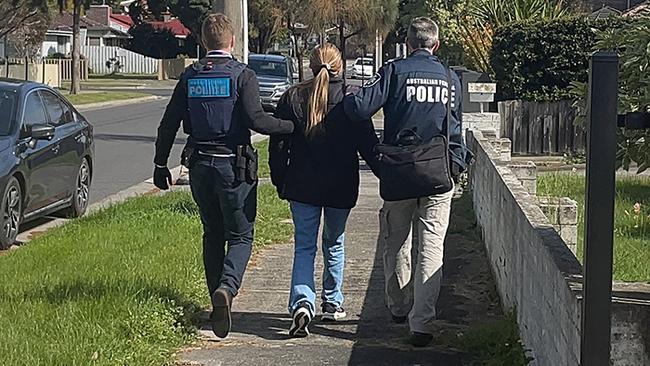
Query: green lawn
[
  {"x": 123, "y": 77},
  {"x": 263, "y": 153},
  {"x": 117, "y": 288},
  {"x": 632, "y": 226},
  {"x": 98, "y": 97}
]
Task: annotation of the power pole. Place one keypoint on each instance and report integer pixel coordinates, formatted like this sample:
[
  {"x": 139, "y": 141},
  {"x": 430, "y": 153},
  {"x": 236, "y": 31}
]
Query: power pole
[{"x": 237, "y": 11}]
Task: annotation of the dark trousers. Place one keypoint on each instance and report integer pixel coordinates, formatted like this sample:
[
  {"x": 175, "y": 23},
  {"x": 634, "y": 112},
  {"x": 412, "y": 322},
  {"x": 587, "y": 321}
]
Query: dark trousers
[{"x": 228, "y": 210}]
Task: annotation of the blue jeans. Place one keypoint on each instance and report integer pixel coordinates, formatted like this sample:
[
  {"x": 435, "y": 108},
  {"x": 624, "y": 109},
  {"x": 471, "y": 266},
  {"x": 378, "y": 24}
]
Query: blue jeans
[
  {"x": 228, "y": 209},
  {"x": 306, "y": 220}
]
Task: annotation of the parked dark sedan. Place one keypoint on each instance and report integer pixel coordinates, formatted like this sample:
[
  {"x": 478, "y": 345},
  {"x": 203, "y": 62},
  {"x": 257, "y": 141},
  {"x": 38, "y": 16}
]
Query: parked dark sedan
[{"x": 46, "y": 156}]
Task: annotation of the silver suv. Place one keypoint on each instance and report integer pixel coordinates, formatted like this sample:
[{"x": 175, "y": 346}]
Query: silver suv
[{"x": 275, "y": 76}]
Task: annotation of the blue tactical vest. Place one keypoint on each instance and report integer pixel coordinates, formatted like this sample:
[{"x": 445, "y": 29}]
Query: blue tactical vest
[
  {"x": 420, "y": 96},
  {"x": 212, "y": 94}
]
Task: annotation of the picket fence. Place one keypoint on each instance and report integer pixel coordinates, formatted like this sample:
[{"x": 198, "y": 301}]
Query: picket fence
[
  {"x": 541, "y": 128},
  {"x": 130, "y": 62}
]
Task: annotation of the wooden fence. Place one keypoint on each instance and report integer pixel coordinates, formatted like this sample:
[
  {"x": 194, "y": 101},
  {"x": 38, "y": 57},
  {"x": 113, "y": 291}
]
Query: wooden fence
[
  {"x": 541, "y": 128},
  {"x": 64, "y": 66}
]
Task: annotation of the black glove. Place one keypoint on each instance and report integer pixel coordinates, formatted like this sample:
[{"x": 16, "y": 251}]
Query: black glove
[{"x": 162, "y": 178}]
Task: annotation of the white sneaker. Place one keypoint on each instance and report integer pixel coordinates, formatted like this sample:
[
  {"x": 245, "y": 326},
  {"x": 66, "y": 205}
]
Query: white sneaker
[
  {"x": 301, "y": 319},
  {"x": 332, "y": 312}
]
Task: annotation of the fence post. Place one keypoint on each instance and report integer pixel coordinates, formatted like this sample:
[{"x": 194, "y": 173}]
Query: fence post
[
  {"x": 595, "y": 345},
  {"x": 26, "y": 69},
  {"x": 6, "y": 67},
  {"x": 43, "y": 62}
]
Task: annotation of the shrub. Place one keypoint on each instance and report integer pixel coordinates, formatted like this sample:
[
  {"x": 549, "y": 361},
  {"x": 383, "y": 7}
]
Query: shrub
[{"x": 537, "y": 61}]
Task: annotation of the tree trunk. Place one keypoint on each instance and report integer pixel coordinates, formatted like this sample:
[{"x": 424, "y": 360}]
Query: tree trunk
[
  {"x": 342, "y": 40},
  {"x": 75, "y": 85}
]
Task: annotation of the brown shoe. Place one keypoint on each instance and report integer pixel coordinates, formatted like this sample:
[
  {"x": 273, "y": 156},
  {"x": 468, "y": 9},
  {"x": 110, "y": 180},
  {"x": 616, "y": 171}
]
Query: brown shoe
[{"x": 221, "y": 320}]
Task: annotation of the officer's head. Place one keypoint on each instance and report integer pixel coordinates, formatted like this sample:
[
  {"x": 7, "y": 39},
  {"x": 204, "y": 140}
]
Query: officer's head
[
  {"x": 423, "y": 34},
  {"x": 217, "y": 33}
]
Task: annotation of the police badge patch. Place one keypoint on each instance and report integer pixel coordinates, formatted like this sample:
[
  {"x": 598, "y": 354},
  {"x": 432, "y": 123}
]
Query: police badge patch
[
  {"x": 208, "y": 88},
  {"x": 375, "y": 79}
]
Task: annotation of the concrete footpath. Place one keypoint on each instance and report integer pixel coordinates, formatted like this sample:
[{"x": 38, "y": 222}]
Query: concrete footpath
[{"x": 367, "y": 337}]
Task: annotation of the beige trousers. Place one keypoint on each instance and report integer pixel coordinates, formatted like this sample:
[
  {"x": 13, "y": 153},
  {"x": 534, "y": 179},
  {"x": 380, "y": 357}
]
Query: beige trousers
[{"x": 411, "y": 236}]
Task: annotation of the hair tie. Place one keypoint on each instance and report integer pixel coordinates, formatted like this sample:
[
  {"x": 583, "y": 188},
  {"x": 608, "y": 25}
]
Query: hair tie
[{"x": 326, "y": 66}]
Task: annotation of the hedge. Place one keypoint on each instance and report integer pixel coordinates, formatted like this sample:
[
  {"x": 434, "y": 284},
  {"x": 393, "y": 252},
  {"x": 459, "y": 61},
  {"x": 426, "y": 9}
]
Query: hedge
[{"x": 537, "y": 61}]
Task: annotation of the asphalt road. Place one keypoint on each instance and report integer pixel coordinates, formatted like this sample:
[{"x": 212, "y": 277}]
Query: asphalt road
[{"x": 124, "y": 146}]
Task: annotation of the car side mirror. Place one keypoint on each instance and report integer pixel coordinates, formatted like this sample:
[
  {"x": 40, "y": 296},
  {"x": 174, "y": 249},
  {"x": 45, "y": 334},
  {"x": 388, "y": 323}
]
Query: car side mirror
[{"x": 41, "y": 132}]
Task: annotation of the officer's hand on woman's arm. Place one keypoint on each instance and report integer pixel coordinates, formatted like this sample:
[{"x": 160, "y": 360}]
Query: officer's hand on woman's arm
[
  {"x": 365, "y": 103},
  {"x": 258, "y": 120}
]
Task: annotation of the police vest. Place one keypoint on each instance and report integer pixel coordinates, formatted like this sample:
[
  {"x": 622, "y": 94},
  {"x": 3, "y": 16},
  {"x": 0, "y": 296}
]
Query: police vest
[
  {"x": 212, "y": 94},
  {"x": 421, "y": 95}
]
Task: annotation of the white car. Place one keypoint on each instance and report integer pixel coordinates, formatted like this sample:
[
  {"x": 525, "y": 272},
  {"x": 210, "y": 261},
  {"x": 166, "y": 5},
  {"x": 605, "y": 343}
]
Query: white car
[{"x": 363, "y": 68}]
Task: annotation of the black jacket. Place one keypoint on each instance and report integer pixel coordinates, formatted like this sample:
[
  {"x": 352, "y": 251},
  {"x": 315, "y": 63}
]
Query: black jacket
[
  {"x": 248, "y": 110},
  {"x": 414, "y": 94},
  {"x": 322, "y": 170}
]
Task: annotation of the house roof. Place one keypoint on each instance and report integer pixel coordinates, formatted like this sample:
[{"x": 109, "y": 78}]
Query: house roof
[
  {"x": 605, "y": 12},
  {"x": 62, "y": 22},
  {"x": 173, "y": 25},
  {"x": 125, "y": 19},
  {"x": 640, "y": 10}
]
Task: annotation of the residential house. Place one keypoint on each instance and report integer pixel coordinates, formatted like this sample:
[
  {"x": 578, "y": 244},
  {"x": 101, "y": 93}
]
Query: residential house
[
  {"x": 174, "y": 25},
  {"x": 99, "y": 27}
]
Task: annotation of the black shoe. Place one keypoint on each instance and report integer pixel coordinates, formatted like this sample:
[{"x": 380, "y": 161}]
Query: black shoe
[
  {"x": 301, "y": 319},
  {"x": 221, "y": 320},
  {"x": 399, "y": 319},
  {"x": 418, "y": 339},
  {"x": 332, "y": 312}
]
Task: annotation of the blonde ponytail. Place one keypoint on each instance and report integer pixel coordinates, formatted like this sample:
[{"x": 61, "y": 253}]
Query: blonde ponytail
[
  {"x": 318, "y": 102},
  {"x": 325, "y": 62}
]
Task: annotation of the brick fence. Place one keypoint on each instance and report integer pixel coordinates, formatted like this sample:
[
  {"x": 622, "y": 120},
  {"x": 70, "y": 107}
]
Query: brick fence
[{"x": 536, "y": 271}]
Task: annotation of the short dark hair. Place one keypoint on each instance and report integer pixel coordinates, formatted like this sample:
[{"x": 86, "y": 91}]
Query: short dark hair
[
  {"x": 216, "y": 32},
  {"x": 422, "y": 33}
]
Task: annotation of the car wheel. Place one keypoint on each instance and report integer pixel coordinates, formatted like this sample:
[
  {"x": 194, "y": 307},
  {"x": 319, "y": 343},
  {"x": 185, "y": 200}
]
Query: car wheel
[
  {"x": 81, "y": 196},
  {"x": 11, "y": 209}
]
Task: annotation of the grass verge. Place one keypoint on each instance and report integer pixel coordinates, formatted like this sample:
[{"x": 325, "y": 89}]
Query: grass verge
[
  {"x": 496, "y": 343},
  {"x": 86, "y": 98},
  {"x": 263, "y": 154},
  {"x": 116, "y": 288},
  {"x": 123, "y": 77},
  {"x": 632, "y": 220}
]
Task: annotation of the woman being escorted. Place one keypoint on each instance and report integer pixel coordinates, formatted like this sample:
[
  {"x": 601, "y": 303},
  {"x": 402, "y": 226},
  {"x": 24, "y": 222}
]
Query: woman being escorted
[{"x": 317, "y": 170}]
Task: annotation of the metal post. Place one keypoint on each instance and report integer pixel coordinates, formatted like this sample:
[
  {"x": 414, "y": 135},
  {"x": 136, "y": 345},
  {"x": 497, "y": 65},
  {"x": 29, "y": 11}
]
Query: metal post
[
  {"x": 244, "y": 12},
  {"x": 26, "y": 69},
  {"x": 602, "y": 105}
]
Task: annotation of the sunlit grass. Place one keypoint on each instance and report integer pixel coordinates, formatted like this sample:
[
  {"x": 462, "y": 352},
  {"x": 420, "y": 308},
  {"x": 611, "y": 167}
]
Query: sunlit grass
[
  {"x": 117, "y": 288},
  {"x": 632, "y": 220}
]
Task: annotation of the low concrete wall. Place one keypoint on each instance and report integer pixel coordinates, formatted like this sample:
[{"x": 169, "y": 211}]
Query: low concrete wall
[{"x": 538, "y": 274}]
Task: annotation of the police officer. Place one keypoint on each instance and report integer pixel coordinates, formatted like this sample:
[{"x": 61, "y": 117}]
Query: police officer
[
  {"x": 415, "y": 93},
  {"x": 218, "y": 101}
]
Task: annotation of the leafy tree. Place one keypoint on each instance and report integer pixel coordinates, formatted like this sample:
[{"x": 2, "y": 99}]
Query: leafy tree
[
  {"x": 351, "y": 17},
  {"x": 632, "y": 41},
  {"x": 265, "y": 21},
  {"x": 15, "y": 14},
  {"x": 152, "y": 42},
  {"x": 77, "y": 7}
]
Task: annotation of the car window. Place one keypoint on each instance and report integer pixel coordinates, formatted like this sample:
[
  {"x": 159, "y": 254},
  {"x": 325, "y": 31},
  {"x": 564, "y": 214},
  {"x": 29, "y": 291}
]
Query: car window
[
  {"x": 54, "y": 108},
  {"x": 268, "y": 68},
  {"x": 34, "y": 112},
  {"x": 7, "y": 111}
]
